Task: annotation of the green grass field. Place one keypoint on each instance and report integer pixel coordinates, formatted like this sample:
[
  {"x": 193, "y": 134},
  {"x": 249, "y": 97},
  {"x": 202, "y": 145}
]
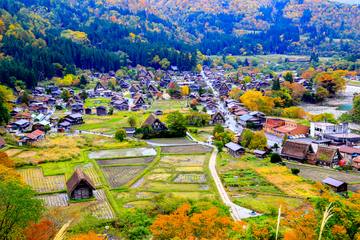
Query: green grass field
[
  {"x": 169, "y": 105},
  {"x": 95, "y": 102},
  {"x": 109, "y": 124}
]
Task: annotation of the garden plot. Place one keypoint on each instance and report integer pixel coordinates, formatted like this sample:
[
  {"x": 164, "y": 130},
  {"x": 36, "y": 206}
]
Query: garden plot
[
  {"x": 123, "y": 153},
  {"x": 125, "y": 161},
  {"x": 13, "y": 151},
  {"x": 91, "y": 172},
  {"x": 188, "y": 149},
  {"x": 167, "y": 141},
  {"x": 55, "y": 200},
  {"x": 101, "y": 208},
  {"x": 159, "y": 176},
  {"x": 118, "y": 176},
  {"x": 35, "y": 178},
  {"x": 184, "y": 160},
  {"x": 248, "y": 181},
  {"x": 190, "y": 178}
]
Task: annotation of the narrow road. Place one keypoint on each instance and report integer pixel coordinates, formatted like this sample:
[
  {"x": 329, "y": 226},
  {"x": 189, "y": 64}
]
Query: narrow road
[
  {"x": 236, "y": 211},
  {"x": 230, "y": 118}
]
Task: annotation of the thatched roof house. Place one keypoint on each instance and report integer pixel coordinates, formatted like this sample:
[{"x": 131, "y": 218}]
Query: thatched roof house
[{"x": 80, "y": 186}]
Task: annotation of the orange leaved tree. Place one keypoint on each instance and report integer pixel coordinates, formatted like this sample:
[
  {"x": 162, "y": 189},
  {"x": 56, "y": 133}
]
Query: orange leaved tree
[
  {"x": 181, "y": 224},
  {"x": 44, "y": 230}
]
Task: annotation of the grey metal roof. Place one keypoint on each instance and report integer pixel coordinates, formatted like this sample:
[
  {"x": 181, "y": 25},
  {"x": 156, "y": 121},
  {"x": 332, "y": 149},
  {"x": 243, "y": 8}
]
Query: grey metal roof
[
  {"x": 233, "y": 146},
  {"x": 332, "y": 182}
]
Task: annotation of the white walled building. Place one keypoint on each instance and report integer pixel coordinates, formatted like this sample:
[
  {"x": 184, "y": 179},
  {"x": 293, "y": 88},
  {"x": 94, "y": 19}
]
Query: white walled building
[{"x": 320, "y": 129}]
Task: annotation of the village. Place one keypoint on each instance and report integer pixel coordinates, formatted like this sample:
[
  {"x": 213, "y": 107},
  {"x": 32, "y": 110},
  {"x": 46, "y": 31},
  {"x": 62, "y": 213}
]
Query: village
[{"x": 319, "y": 151}]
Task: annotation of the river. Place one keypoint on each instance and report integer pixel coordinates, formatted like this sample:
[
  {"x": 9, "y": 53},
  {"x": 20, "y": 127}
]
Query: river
[{"x": 337, "y": 106}]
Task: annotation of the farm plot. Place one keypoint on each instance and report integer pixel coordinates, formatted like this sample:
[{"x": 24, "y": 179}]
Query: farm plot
[
  {"x": 184, "y": 160},
  {"x": 125, "y": 161},
  {"x": 188, "y": 149},
  {"x": 122, "y": 153},
  {"x": 247, "y": 180},
  {"x": 35, "y": 178},
  {"x": 101, "y": 209},
  {"x": 120, "y": 175},
  {"x": 190, "y": 178},
  {"x": 159, "y": 176},
  {"x": 13, "y": 151},
  {"x": 174, "y": 141},
  {"x": 91, "y": 172},
  {"x": 55, "y": 200}
]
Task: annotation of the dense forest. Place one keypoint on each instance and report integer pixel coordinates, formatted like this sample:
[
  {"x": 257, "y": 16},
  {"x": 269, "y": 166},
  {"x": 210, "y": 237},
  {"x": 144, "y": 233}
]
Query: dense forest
[{"x": 40, "y": 37}]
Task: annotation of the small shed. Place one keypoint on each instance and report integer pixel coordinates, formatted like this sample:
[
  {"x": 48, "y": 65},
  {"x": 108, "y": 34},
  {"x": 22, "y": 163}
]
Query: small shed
[
  {"x": 336, "y": 185},
  {"x": 260, "y": 153},
  {"x": 88, "y": 111},
  {"x": 101, "y": 111},
  {"x": 79, "y": 186},
  {"x": 234, "y": 149}
]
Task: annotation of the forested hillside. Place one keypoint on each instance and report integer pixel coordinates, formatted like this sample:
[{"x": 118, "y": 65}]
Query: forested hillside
[{"x": 41, "y": 37}]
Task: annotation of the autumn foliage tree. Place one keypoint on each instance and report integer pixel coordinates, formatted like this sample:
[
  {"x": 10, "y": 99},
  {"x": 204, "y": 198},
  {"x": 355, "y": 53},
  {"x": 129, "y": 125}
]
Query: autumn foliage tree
[
  {"x": 44, "y": 230},
  {"x": 301, "y": 224},
  {"x": 333, "y": 82},
  {"x": 181, "y": 224},
  {"x": 256, "y": 101},
  {"x": 6, "y": 161}
]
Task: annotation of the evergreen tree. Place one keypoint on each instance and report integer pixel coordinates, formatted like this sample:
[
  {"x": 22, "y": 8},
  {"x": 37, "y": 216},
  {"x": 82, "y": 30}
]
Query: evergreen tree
[{"x": 276, "y": 84}]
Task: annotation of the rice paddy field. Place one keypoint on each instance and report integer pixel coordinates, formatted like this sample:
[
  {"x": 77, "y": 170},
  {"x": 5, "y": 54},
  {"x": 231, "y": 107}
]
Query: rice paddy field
[
  {"x": 125, "y": 175},
  {"x": 184, "y": 175},
  {"x": 262, "y": 186},
  {"x": 122, "y": 153},
  {"x": 61, "y": 147}
]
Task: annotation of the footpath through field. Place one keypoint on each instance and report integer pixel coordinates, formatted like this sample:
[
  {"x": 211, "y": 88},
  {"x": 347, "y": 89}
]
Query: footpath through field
[{"x": 236, "y": 211}]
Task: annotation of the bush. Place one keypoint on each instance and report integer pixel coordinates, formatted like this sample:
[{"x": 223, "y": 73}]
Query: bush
[
  {"x": 275, "y": 158},
  {"x": 295, "y": 171},
  {"x": 219, "y": 145},
  {"x": 120, "y": 135}
]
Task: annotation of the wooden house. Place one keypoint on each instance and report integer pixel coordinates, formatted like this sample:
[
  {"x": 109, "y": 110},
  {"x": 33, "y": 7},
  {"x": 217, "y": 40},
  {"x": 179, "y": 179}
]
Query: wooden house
[
  {"x": 356, "y": 163},
  {"x": 121, "y": 105},
  {"x": 101, "y": 111},
  {"x": 349, "y": 153},
  {"x": 74, "y": 119},
  {"x": 234, "y": 149},
  {"x": 88, "y": 111},
  {"x": 20, "y": 125},
  {"x": 152, "y": 89},
  {"x": 139, "y": 102},
  {"x": 218, "y": 118},
  {"x": 326, "y": 156},
  {"x": 32, "y": 137},
  {"x": 154, "y": 123},
  {"x": 100, "y": 87},
  {"x": 80, "y": 186},
  {"x": 335, "y": 185},
  {"x": 224, "y": 89},
  {"x": 298, "y": 151},
  {"x": 260, "y": 153},
  {"x": 77, "y": 108}
]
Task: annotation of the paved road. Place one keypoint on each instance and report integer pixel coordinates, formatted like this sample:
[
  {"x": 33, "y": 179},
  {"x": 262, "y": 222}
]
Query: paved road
[
  {"x": 230, "y": 118},
  {"x": 95, "y": 133}
]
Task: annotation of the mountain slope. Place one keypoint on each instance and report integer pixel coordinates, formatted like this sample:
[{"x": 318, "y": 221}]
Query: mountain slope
[{"x": 40, "y": 36}]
